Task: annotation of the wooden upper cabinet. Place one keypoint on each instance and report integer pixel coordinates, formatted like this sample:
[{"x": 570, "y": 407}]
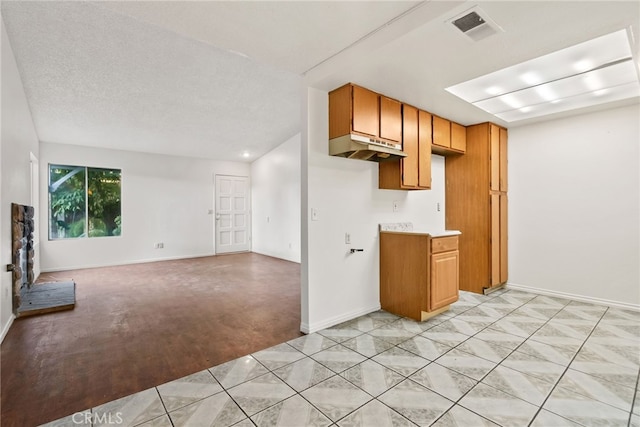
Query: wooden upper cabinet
[
  {"x": 494, "y": 157},
  {"x": 354, "y": 109},
  {"x": 503, "y": 159},
  {"x": 458, "y": 137},
  {"x": 410, "y": 146},
  {"x": 498, "y": 158},
  {"x": 414, "y": 171},
  {"x": 390, "y": 119},
  {"x": 340, "y": 111},
  {"x": 441, "y": 132},
  {"x": 366, "y": 116},
  {"x": 425, "y": 135},
  {"x": 448, "y": 137}
]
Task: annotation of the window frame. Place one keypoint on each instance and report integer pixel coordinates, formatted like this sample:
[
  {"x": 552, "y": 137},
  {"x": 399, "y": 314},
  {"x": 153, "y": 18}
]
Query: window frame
[{"x": 86, "y": 170}]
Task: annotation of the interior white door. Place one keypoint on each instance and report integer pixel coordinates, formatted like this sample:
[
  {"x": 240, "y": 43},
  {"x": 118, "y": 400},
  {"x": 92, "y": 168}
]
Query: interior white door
[{"x": 232, "y": 221}]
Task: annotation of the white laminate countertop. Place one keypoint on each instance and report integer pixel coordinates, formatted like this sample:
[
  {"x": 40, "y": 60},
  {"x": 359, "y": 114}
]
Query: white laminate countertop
[
  {"x": 432, "y": 233},
  {"x": 441, "y": 233},
  {"x": 407, "y": 227}
]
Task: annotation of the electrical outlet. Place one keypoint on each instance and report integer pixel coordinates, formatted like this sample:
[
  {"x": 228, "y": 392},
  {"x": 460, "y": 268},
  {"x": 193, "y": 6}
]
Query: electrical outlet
[
  {"x": 347, "y": 238},
  {"x": 438, "y": 206},
  {"x": 159, "y": 245},
  {"x": 395, "y": 206}
]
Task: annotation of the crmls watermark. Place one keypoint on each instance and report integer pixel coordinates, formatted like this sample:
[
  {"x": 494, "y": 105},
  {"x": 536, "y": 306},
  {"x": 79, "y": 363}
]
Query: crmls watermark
[{"x": 87, "y": 418}]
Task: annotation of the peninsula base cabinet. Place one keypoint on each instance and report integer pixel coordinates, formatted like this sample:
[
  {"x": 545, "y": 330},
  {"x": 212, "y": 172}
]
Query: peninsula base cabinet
[{"x": 418, "y": 274}]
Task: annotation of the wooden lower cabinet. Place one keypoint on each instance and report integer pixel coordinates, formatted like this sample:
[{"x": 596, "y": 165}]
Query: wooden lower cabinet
[
  {"x": 444, "y": 279},
  {"x": 418, "y": 274}
]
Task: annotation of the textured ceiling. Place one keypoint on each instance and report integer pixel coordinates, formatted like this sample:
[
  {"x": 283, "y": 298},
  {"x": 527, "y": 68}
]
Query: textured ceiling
[
  {"x": 166, "y": 77},
  {"x": 213, "y": 79}
]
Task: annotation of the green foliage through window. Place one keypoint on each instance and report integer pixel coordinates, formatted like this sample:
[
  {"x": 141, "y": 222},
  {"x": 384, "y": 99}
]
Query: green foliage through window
[{"x": 84, "y": 202}]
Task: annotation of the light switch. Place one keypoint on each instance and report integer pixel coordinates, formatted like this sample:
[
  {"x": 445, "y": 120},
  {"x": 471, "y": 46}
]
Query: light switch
[{"x": 314, "y": 214}]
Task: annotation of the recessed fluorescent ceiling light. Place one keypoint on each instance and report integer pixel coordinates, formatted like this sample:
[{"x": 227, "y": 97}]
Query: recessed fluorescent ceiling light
[{"x": 590, "y": 73}]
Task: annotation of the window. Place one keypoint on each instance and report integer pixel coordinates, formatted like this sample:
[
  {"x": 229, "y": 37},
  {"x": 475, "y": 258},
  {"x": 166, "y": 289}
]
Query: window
[{"x": 83, "y": 202}]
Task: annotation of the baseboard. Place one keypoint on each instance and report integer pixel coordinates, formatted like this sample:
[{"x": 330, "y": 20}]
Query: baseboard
[
  {"x": 306, "y": 328},
  {"x": 278, "y": 256},
  {"x": 5, "y": 330},
  {"x": 576, "y": 297},
  {"x": 139, "y": 261}
]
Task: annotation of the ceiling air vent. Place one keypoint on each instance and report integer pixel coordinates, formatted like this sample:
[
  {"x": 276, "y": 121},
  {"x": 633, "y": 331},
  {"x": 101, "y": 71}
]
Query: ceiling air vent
[
  {"x": 475, "y": 24},
  {"x": 468, "y": 22}
]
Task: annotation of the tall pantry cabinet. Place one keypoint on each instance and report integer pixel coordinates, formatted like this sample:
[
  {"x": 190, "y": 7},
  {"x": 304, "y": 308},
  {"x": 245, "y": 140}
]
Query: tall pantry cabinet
[{"x": 476, "y": 204}]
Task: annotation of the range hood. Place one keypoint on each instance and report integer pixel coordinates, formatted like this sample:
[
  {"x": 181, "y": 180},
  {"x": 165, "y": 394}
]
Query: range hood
[{"x": 364, "y": 148}]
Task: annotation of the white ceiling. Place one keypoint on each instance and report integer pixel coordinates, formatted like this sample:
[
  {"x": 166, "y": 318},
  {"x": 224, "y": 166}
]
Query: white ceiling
[{"x": 213, "y": 79}]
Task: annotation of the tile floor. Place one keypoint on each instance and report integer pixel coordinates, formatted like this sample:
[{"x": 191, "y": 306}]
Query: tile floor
[{"x": 508, "y": 359}]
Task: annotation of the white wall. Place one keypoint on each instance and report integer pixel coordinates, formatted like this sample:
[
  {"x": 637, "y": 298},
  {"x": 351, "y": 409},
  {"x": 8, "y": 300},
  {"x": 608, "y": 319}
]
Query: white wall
[
  {"x": 337, "y": 285},
  {"x": 574, "y": 198},
  {"x": 18, "y": 140},
  {"x": 164, "y": 199},
  {"x": 275, "y": 201}
]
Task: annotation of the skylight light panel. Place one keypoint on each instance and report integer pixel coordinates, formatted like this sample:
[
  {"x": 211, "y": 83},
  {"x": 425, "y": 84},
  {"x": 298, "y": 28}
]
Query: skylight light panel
[{"x": 590, "y": 71}]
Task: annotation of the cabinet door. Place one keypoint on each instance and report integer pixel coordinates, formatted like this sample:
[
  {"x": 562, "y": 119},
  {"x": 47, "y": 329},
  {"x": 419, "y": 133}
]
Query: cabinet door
[
  {"x": 340, "y": 101},
  {"x": 503, "y": 238},
  {"x": 494, "y": 157},
  {"x": 495, "y": 239},
  {"x": 410, "y": 146},
  {"x": 424, "y": 149},
  {"x": 444, "y": 280},
  {"x": 441, "y": 132},
  {"x": 366, "y": 112},
  {"x": 458, "y": 137},
  {"x": 390, "y": 119},
  {"x": 503, "y": 159}
]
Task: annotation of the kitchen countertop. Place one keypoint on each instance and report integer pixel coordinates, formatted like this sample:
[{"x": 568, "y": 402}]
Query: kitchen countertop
[
  {"x": 441, "y": 233},
  {"x": 407, "y": 228}
]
